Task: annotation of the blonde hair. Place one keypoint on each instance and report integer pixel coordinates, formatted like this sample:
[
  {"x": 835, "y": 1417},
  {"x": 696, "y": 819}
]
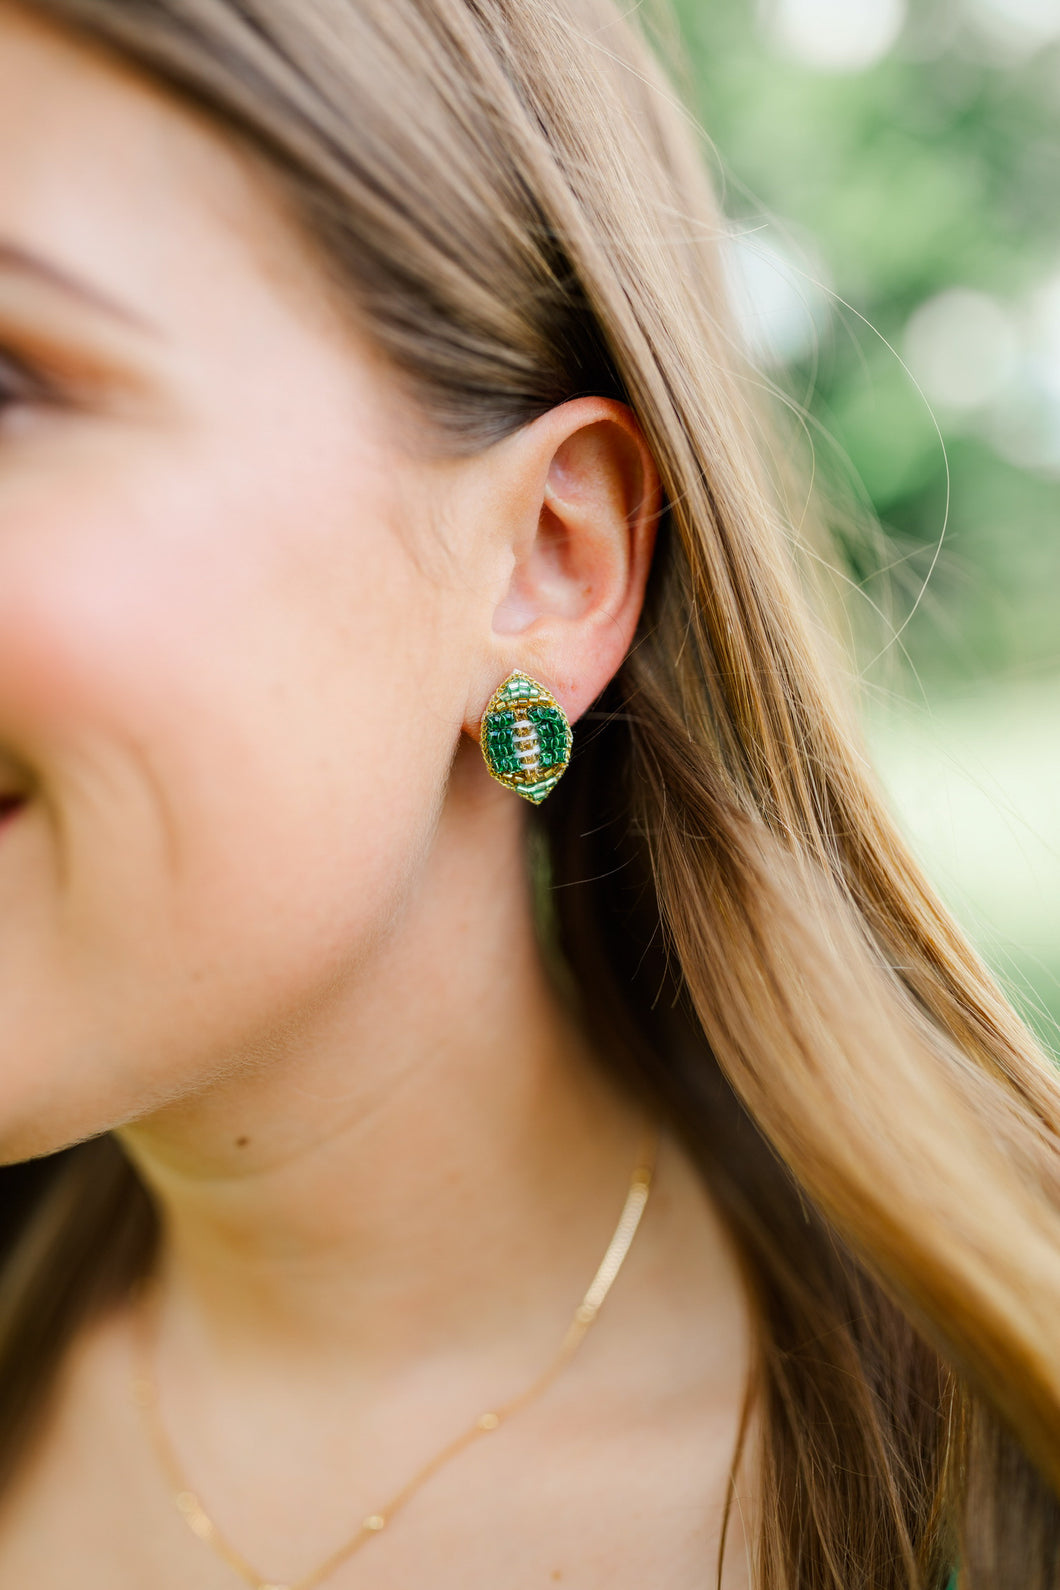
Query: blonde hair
[{"x": 512, "y": 202}]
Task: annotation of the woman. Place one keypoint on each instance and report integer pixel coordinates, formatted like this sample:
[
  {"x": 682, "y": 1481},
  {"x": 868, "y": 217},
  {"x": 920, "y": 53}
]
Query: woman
[{"x": 372, "y": 410}]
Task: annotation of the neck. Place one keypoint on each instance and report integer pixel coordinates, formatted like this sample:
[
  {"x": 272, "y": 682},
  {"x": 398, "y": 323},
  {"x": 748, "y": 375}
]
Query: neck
[{"x": 433, "y": 1159}]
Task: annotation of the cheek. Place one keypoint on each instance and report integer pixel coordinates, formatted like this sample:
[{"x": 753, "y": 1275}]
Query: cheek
[{"x": 236, "y": 708}]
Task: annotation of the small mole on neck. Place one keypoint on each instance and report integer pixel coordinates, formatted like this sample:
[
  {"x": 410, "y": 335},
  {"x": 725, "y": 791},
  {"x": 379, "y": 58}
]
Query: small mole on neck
[{"x": 241, "y": 1142}]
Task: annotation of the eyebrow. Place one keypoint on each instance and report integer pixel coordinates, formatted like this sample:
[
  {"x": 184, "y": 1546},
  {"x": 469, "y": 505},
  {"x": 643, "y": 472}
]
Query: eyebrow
[{"x": 13, "y": 257}]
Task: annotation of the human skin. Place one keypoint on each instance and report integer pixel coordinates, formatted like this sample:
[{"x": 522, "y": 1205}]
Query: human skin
[{"x": 264, "y": 912}]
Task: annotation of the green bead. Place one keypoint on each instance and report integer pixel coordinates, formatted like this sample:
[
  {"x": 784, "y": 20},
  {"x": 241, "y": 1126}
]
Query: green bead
[
  {"x": 500, "y": 743},
  {"x": 552, "y": 733}
]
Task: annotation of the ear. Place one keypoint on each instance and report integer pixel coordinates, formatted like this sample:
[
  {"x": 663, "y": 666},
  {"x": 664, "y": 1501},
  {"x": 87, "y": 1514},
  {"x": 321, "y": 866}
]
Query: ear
[{"x": 581, "y": 499}]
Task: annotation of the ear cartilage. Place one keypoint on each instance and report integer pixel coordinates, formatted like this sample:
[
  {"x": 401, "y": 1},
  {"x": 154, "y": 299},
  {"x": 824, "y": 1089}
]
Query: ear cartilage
[{"x": 525, "y": 738}]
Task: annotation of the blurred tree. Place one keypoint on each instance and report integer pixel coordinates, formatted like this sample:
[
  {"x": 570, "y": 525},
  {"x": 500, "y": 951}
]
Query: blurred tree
[{"x": 893, "y": 181}]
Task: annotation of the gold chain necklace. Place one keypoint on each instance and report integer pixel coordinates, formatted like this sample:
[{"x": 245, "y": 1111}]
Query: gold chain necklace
[{"x": 145, "y": 1395}]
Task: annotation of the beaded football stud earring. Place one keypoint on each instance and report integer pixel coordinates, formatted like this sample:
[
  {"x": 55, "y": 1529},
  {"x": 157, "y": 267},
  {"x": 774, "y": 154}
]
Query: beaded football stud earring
[{"x": 525, "y": 737}]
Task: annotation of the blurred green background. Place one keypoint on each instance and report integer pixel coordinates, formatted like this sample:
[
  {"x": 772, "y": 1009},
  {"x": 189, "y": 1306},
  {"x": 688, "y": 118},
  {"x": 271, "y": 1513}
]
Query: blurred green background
[{"x": 892, "y": 173}]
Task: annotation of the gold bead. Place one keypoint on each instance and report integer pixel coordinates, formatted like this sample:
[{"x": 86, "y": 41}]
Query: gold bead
[
  {"x": 187, "y": 1502},
  {"x": 375, "y": 1521},
  {"x": 489, "y": 1421},
  {"x": 585, "y": 1313}
]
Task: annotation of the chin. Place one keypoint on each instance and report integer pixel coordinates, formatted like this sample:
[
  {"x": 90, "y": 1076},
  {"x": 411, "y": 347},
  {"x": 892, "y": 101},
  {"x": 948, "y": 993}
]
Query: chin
[
  {"x": 33, "y": 1136},
  {"x": 53, "y": 1111}
]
